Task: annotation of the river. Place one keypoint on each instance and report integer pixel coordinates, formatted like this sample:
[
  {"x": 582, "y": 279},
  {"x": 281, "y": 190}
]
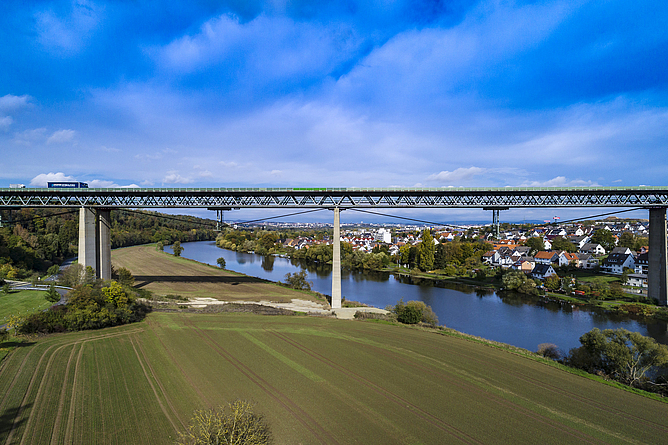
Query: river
[{"x": 513, "y": 319}]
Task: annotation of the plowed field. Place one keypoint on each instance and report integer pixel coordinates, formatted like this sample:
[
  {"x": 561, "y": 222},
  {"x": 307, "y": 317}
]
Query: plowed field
[{"x": 317, "y": 380}]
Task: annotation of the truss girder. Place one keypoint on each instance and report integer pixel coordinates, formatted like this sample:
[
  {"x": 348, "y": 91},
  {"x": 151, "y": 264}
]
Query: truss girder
[{"x": 240, "y": 198}]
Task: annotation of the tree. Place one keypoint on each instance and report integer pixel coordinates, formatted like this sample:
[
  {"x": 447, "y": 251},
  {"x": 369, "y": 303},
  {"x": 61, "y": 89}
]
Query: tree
[
  {"x": 553, "y": 282},
  {"x": 426, "y": 252},
  {"x": 561, "y": 243},
  {"x": 176, "y": 248},
  {"x": 404, "y": 254},
  {"x": 125, "y": 277},
  {"x": 221, "y": 262},
  {"x": 53, "y": 270},
  {"x": 513, "y": 279},
  {"x": 626, "y": 239},
  {"x": 297, "y": 280},
  {"x": 605, "y": 238},
  {"x": 625, "y": 356},
  {"x": 536, "y": 244},
  {"x": 234, "y": 424},
  {"x": 6, "y": 288},
  {"x": 52, "y": 294}
]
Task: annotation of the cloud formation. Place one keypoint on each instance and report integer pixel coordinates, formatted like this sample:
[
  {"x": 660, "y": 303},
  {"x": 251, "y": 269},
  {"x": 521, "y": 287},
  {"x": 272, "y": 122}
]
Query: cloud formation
[{"x": 356, "y": 93}]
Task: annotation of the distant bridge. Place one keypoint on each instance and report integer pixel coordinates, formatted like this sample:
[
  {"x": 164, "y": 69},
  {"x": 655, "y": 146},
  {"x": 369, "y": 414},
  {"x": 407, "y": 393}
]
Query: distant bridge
[{"x": 95, "y": 205}]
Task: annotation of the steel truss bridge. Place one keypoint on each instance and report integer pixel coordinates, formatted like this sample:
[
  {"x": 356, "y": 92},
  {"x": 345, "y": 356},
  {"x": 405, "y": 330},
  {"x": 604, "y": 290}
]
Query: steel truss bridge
[
  {"x": 95, "y": 206},
  {"x": 237, "y": 198}
]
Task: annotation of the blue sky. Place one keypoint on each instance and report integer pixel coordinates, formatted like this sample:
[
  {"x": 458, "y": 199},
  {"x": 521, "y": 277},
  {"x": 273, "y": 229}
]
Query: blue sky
[{"x": 334, "y": 93}]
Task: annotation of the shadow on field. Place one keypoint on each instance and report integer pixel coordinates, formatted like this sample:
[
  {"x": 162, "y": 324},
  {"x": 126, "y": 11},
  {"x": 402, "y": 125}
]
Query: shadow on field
[
  {"x": 7, "y": 420},
  {"x": 16, "y": 344},
  {"x": 144, "y": 280}
]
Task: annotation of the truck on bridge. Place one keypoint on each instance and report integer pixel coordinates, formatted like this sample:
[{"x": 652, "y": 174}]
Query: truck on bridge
[{"x": 67, "y": 185}]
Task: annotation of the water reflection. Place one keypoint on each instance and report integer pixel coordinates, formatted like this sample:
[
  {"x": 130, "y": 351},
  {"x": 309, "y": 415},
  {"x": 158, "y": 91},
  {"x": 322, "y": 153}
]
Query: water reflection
[{"x": 268, "y": 263}]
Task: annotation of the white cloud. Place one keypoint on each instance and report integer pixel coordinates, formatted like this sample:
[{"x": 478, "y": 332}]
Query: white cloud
[
  {"x": 28, "y": 137},
  {"x": 147, "y": 183},
  {"x": 67, "y": 33},
  {"x": 264, "y": 48},
  {"x": 10, "y": 102},
  {"x": 5, "y": 123},
  {"x": 229, "y": 164},
  {"x": 560, "y": 181},
  {"x": 148, "y": 157},
  {"x": 41, "y": 179},
  {"x": 457, "y": 176},
  {"x": 108, "y": 149},
  {"x": 61, "y": 136},
  {"x": 173, "y": 177},
  {"x": 102, "y": 184}
]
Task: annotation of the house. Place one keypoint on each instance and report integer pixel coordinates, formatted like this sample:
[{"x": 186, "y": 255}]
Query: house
[
  {"x": 615, "y": 263},
  {"x": 492, "y": 258},
  {"x": 523, "y": 250},
  {"x": 587, "y": 260},
  {"x": 525, "y": 264},
  {"x": 622, "y": 250},
  {"x": 578, "y": 241},
  {"x": 642, "y": 263},
  {"x": 569, "y": 258},
  {"x": 593, "y": 248},
  {"x": 637, "y": 280},
  {"x": 542, "y": 271},
  {"x": 547, "y": 257}
]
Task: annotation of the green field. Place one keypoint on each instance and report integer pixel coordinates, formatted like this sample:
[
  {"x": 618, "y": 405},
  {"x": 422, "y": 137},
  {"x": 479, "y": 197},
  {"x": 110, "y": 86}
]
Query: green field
[
  {"x": 317, "y": 380},
  {"x": 22, "y": 302}
]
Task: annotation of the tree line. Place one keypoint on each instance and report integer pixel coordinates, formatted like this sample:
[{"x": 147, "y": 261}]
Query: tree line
[{"x": 40, "y": 238}]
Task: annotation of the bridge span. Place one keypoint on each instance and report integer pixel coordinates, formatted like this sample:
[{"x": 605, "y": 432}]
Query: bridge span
[{"x": 95, "y": 205}]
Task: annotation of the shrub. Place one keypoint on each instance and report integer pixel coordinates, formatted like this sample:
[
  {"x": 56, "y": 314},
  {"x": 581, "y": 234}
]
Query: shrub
[
  {"x": 414, "y": 312},
  {"x": 549, "y": 350},
  {"x": 52, "y": 294},
  {"x": 177, "y": 248},
  {"x": 234, "y": 424},
  {"x": 125, "y": 277},
  {"x": 297, "y": 280}
]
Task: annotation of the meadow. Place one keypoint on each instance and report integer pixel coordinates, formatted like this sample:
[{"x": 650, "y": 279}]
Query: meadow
[
  {"x": 318, "y": 380},
  {"x": 21, "y": 302}
]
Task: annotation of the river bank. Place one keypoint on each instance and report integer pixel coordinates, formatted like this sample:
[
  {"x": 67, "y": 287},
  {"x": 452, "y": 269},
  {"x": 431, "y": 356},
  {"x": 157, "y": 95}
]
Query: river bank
[{"x": 483, "y": 311}]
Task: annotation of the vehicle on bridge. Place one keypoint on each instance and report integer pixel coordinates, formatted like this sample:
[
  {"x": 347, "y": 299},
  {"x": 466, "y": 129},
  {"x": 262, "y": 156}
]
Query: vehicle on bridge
[{"x": 67, "y": 185}]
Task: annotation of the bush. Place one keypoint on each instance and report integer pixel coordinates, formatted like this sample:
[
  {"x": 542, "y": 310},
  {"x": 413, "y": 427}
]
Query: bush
[
  {"x": 88, "y": 307},
  {"x": 414, "y": 312},
  {"x": 548, "y": 350},
  {"x": 297, "y": 280},
  {"x": 125, "y": 277},
  {"x": 52, "y": 294},
  {"x": 234, "y": 424}
]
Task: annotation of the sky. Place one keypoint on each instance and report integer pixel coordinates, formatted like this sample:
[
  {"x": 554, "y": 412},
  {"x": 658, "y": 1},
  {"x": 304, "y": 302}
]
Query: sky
[{"x": 383, "y": 93}]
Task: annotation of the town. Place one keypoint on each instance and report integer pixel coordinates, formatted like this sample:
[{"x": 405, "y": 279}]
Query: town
[{"x": 611, "y": 247}]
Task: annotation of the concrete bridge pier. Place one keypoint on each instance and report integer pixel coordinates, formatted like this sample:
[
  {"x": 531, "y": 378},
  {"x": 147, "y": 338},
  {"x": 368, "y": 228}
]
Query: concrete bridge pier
[
  {"x": 336, "y": 261},
  {"x": 95, "y": 241},
  {"x": 657, "y": 282}
]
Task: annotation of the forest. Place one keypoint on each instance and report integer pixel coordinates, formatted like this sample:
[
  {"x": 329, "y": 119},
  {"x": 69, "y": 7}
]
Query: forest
[{"x": 33, "y": 240}]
